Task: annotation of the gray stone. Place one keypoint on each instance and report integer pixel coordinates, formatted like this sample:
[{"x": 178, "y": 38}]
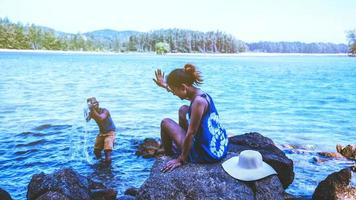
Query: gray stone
[
  {"x": 66, "y": 183},
  {"x": 205, "y": 181},
  {"x": 52, "y": 196}
]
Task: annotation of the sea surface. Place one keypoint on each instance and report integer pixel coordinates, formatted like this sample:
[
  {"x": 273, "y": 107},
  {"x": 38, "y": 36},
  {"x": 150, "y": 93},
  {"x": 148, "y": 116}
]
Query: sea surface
[{"x": 306, "y": 101}]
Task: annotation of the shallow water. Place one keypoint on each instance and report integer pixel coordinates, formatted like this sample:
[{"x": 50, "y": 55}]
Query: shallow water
[{"x": 305, "y": 100}]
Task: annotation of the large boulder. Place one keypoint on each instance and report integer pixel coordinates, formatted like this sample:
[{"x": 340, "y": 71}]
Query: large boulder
[
  {"x": 336, "y": 186},
  {"x": 66, "y": 184},
  {"x": 205, "y": 181},
  {"x": 270, "y": 153},
  {"x": 4, "y": 195}
]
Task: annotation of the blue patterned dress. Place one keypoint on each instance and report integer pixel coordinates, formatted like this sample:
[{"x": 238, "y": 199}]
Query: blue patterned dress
[{"x": 210, "y": 142}]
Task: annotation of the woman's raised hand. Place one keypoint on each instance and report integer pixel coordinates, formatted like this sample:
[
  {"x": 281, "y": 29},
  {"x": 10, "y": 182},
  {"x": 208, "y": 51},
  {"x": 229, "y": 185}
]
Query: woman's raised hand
[{"x": 160, "y": 79}]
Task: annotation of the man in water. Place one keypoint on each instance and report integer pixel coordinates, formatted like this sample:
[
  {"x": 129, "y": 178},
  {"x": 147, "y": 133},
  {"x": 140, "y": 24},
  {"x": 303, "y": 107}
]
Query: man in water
[{"x": 106, "y": 136}]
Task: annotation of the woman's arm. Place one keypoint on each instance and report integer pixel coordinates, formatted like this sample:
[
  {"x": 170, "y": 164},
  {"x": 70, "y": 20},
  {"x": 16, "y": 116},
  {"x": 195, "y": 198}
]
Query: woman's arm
[
  {"x": 160, "y": 80},
  {"x": 198, "y": 109}
]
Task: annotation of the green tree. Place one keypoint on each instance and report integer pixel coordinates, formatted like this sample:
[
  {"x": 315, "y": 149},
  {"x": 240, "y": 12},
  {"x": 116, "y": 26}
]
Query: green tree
[
  {"x": 351, "y": 37},
  {"x": 132, "y": 44},
  {"x": 21, "y": 39},
  {"x": 34, "y": 36},
  {"x": 3, "y": 36},
  {"x": 50, "y": 42},
  {"x": 162, "y": 48}
]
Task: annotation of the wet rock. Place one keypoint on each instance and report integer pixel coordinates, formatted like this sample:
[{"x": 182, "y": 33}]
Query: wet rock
[
  {"x": 318, "y": 160},
  {"x": 205, "y": 181},
  {"x": 297, "y": 149},
  {"x": 103, "y": 194},
  {"x": 4, "y": 195},
  {"x": 127, "y": 197},
  {"x": 53, "y": 196},
  {"x": 150, "y": 148},
  {"x": 270, "y": 153},
  {"x": 132, "y": 191},
  {"x": 348, "y": 152},
  {"x": 336, "y": 186},
  {"x": 330, "y": 154},
  {"x": 66, "y": 184}
]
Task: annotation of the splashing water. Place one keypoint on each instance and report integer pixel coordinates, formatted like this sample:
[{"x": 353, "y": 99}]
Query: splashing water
[
  {"x": 79, "y": 149},
  {"x": 88, "y": 159}
]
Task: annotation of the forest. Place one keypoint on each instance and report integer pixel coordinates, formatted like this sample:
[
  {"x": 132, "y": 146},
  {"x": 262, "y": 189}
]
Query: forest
[{"x": 19, "y": 36}]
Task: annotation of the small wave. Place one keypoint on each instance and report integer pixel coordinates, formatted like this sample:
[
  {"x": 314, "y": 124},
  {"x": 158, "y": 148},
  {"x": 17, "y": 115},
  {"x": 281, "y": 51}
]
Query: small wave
[
  {"x": 29, "y": 133},
  {"x": 52, "y": 127},
  {"x": 338, "y": 99},
  {"x": 25, "y": 152},
  {"x": 36, "y": 163},
  {"x": 34, "y": 143}
]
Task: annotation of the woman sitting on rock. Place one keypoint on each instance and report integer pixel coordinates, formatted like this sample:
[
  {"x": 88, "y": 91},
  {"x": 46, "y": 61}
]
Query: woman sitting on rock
[{"x": 199, "y": 136}]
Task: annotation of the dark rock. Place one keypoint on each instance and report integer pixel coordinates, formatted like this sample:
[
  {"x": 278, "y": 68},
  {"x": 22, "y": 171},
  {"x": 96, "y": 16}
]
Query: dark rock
[
  {"x": 270, "y": 153},
  {"x": 149, "y": 148},
  {"x": 132, "y": 191},
  {"x": 205, "y": 181},
  {"x": 53, "y": 196},
  {"x": 336, "y": 186},
  {"x": 65, "y": 183},
  {"x": 348, "y": 152},
  {"x": 4, "y": 195},
  {"x": 127, "y": 197},
  {"x": 318, "y": 160},
  {"x": 103, "y": 194}
]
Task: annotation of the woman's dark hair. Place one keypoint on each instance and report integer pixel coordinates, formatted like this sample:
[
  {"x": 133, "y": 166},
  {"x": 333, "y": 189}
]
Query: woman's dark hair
[{"x": 188, "y": 75}]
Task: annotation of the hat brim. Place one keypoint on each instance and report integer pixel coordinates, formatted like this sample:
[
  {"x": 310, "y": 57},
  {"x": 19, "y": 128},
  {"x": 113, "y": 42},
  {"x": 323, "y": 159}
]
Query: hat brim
[{"x": 230, "y": 166}]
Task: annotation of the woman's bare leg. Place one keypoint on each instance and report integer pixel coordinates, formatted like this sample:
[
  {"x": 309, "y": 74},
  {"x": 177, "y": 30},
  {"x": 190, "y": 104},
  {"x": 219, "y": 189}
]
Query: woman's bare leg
[{"x": 171, "y": 132}]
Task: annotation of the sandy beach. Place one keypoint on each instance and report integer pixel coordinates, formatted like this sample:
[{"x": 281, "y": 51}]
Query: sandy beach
[{"x": 244, "y": 54}]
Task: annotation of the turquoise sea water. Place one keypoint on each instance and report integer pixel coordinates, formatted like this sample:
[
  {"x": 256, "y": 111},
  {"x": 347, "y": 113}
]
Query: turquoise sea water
[{"x": 300, "y": 100}]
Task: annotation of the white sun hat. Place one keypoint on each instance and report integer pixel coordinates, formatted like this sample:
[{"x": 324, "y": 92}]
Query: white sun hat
[{"x": 248, "y": 166}]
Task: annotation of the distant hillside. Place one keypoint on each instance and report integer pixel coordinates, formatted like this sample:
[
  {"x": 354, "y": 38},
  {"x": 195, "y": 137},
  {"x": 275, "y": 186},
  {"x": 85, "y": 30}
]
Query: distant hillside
[
  {"x": 17, "y": 36},
  {"x": 108, "y": 34},
  {"x": 110, "y": 40},
  {"x": 296, "y": 47}
]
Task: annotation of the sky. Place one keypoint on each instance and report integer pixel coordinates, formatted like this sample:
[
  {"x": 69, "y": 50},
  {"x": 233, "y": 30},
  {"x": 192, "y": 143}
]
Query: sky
[{"x": 247, "y": 20}]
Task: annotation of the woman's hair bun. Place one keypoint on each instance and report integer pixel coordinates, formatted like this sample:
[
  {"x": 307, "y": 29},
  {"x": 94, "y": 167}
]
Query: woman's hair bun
[
  {"x": 188, "y": 75},
  {"x": 189, "y": 68},
  {"x": 193, "y": 73}
]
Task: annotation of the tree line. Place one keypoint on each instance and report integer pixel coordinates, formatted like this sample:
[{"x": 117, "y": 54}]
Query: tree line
[
  {"x": 297, "y": 47},
  {"x": 186, "y": 41},
  {"x": 18, "y": 36}
]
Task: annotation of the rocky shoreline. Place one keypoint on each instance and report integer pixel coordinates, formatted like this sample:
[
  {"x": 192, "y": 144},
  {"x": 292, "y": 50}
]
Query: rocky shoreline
[{"x": 199, "y": 181}]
